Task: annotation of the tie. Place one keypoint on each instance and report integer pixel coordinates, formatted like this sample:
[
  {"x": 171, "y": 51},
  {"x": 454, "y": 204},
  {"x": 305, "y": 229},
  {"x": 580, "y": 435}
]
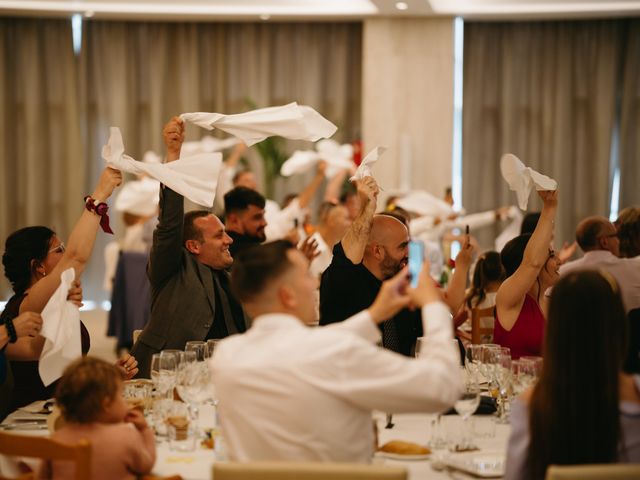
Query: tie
[
  {"x": 224, "y": 300},
  {"x": 390, "y": 337}
]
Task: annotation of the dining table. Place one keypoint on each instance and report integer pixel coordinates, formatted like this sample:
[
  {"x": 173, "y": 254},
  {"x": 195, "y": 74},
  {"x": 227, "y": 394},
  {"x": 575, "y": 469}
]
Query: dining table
[{"x": 489, "y": 437}]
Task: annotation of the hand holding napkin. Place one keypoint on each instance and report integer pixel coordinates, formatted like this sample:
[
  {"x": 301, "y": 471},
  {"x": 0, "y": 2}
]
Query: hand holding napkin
[
  {"x": 293, "y": 121},
  {"x": 523, "y": 179},
  {"x": 61, "y": 330},
  {"x": 194, "y": 177},
  {"x": 364, "y": 170}
]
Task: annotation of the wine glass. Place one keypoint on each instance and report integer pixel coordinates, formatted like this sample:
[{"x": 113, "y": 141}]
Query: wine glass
[
  {"x": 199, "y": 347},
  {"x": 473, "y": 360},
  {"x": 163, "y": 373},
  {"x": 193, "y": 383},
  {"x": 503, "y": 379},
  {"x": 466, "y": 405}
]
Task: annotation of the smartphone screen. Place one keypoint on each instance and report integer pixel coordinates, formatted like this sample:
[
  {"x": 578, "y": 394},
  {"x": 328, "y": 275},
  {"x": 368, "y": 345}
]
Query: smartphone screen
[{"x": 416, "y": 259}]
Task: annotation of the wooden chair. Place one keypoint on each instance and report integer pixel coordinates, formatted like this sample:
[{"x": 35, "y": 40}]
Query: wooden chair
[
  {"x": 305, "y": 471},
  {"x": 612, "y": 471},
  {"x": 482, "y": 333},
  {"x": 48, "y": 449}
]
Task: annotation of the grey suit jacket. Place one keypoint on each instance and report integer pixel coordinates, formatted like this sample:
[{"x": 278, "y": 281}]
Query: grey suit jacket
[{"x": 183, "y": 300}]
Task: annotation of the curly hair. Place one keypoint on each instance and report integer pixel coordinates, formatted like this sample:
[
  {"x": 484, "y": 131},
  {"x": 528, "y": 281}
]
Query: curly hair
[
  {"x": 21, "y": 247},
  {"x": 84, "y": 386}
]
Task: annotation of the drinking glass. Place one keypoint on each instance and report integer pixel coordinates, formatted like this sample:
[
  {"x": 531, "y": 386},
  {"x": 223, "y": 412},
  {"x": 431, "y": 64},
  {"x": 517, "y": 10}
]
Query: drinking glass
[
  {"x": 180, "y": 428},
  {"x": 473, "y": 360},
  {"x": 466, "y": 405},
  {"x": 419, "y": 346},
  {"x": 503, "y": 380},
  {"x": 197, "y": 346},
  {"x": 193, "y": 382},
  {"x": 212, "y": 343},
  {"x": 163, "y": 373}
]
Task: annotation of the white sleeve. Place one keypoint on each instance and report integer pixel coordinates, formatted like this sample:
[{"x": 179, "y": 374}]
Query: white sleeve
[
  {"x": 375, "y": 378},
  {"x": 360, "y": 325}
]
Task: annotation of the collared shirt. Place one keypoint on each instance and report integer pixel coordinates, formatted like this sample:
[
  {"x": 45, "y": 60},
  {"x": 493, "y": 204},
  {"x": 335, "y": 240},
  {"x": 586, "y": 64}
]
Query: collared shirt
[
  {"x": 291, "y": 392},
  {"x": 626, "y": 271}
]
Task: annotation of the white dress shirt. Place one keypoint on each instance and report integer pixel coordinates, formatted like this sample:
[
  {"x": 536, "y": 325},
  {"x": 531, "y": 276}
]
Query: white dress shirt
[
  {"x": 626, "y": 271},
  {"x": 291, "y": 392}
]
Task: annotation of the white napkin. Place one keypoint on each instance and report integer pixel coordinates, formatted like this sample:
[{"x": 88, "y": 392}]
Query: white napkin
[
  {"x": 364, "y": 170},
  {"x": 338, "y": 157},
  {"x": 208, "y": 144},
  {"x": 139, "y": 197},
  {"x": 425, "y": 204},
  {"x": 523, "y": 179},
  {"x": 151, "y": 157},
  {"x": 61, "y": 330},
  {"x": 293, "y": 121},
  {"x": 194, "y": 177}
]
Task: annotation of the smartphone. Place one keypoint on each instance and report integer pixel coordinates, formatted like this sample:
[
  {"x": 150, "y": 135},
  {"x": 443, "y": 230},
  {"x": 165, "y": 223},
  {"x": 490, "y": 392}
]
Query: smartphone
[{"x": 416, "y": 259}]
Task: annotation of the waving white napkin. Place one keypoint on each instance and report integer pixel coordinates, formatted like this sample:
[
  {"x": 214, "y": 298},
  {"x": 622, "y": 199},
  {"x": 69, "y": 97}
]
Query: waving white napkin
[
  {"x": 208, "y": 144},
  {"x": 364, "y": 170},
  {"x": 194, "y": 177},
  {"x": 61, "y": 330},
  {"x": 338, "y": 157},
  {"x": 523, "y": 179},
  {"x": 425, "y": 204},
  {"x": 293, "y": 121},
  {"x": 139, "y": 197}
]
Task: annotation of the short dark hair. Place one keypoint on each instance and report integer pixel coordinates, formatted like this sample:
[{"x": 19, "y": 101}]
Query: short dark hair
[
  {"x": 628, "y": 225},
  {"x": 588, "y": 231},
  {"x": 513, "y": 252},
  {"x": 22, "y": 246},
  {"x": 529, "y": 222},
  {"x": 239, "y": 199},
  {"x": 189, "y": 230},
  {"x": 257, "y": 266},
  {"x": 84, "y": 386}
]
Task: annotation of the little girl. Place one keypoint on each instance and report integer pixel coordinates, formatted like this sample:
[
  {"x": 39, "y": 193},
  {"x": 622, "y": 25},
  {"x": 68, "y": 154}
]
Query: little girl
[{"x": 89, "y": 395}]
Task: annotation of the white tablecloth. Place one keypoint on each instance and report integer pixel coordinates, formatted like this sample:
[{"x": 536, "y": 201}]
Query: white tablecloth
[{"x": 416, "y": 428}]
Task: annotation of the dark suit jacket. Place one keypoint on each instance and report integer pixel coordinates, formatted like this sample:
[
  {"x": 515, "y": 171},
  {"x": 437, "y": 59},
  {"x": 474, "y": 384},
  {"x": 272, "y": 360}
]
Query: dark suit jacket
[{"x": 183, "y": 299}]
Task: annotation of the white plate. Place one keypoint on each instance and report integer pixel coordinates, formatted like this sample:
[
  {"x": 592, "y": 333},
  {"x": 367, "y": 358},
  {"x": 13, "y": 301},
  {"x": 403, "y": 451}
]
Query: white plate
[
  {"x": 398, "y": 456},
  {"x": 482, "y": 464}
]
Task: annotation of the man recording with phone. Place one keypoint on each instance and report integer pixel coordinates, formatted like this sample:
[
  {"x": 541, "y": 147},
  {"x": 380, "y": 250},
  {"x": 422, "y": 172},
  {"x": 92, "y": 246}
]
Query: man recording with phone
[{"x": 374, "y": 249}]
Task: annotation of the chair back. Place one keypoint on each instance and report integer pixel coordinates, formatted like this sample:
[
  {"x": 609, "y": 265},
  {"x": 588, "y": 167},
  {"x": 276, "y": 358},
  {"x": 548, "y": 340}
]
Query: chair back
[
  {"x": 481, "y": 329},
  {"x": 49, "y": 449},
  {"x": 305, "y": 471},
  {"x": 611, "y": 471}
]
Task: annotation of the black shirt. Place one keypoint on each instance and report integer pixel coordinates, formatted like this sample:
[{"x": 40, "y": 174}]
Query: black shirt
[
  {"x": 346, "y": 289},
  {"x": 219, "y": 326}
]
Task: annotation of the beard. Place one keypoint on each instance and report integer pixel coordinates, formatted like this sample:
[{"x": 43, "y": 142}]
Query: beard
[{"x": 390, "y": 266}]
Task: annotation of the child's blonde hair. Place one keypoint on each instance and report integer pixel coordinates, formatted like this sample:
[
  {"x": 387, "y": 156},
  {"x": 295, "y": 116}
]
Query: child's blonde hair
[{"x": 84, "y": 386}]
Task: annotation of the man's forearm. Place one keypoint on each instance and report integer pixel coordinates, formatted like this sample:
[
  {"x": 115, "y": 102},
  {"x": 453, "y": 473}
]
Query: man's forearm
[{"x": 356, "y": 238}]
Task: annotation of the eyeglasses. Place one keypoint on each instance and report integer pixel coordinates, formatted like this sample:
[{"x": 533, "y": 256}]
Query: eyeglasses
[{"x": 59, "y": 249}]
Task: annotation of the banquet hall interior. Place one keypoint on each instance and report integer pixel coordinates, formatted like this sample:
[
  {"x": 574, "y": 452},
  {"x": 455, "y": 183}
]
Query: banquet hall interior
[{"x": 469, "y": 114}]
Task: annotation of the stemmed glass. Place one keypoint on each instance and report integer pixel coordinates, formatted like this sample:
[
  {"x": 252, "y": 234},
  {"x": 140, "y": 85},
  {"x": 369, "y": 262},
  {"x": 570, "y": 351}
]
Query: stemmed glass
[
  {"x": 466, "y": 405},
  {"x": 530, "y": 368},
  {"x": 472, "y": 361},
  {"x": 164, "y": 369},
  {"x": 503, "y": 379},
  {"x": 193, "y": 382}
]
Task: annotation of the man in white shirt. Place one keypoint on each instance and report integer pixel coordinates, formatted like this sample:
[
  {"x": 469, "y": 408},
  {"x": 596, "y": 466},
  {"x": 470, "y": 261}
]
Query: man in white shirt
[
  {"x": 598, "y": 239},
  {"x": 290, "y": 392}
]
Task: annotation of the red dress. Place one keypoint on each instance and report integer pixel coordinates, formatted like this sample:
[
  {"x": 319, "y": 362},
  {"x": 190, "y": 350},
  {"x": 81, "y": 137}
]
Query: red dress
[{"x": 527, "y": 335}]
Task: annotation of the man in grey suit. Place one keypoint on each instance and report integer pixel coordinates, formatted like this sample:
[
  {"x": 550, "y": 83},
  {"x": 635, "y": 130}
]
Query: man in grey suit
[{"x": 190, "y": 295}]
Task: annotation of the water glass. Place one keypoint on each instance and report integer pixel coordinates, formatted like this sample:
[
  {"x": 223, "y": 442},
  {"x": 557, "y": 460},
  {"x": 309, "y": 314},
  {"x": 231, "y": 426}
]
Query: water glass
[
  {"x": 466, "y": 405},
  {"x": 199, "y": 347},
  {"x": 180, "y": 428},
  {"x": 211, "y": 346}
]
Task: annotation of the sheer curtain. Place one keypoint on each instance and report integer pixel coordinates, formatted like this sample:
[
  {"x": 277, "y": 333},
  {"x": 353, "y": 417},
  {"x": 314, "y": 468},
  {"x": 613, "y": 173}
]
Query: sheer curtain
[
  {"x": 42, "y": 168},
  {"x": 545, "y": 91},
  {"x": 630, "y": 118},
  {"x": 58, "y": 108}
]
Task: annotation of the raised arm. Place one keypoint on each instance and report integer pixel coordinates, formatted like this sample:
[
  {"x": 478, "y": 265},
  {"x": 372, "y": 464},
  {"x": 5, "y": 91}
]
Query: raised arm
[
  {"x": 332, "y": 192},
  {"x": 78, "y": 249},
  {"x": 305, "y": 197},
  {"x": 165, "y": 254},
  {"x": 511, "y": 293},
  {"x": 356, "y": 238},
  {"x": 454, "y": 294}
]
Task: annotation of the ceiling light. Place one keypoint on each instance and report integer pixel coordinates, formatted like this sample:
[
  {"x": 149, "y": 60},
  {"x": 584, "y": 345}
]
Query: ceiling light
[
  {"x": 265, "y": 16},
  {"x": 89, "y": 13},
  {"x": 402, "y": 5}
]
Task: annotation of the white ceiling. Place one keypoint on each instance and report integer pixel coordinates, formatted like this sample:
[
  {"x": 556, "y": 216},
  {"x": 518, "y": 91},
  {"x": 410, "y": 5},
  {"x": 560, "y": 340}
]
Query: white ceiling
[{"x": 270, "y": 10}]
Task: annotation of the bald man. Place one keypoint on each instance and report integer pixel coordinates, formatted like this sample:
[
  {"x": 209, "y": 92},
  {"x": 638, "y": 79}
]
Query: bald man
[
  {"x": 373, "y": 250},
  {"x": 598, "y": 239}
]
